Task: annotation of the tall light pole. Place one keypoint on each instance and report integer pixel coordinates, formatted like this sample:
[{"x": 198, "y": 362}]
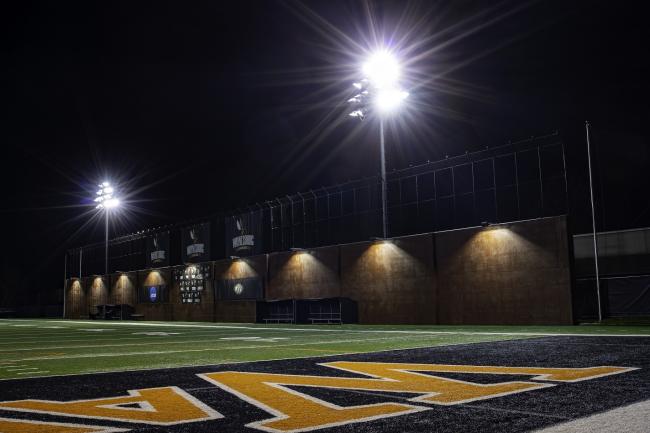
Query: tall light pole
[
  {"x": 106, "y": 201},
  {"x": 593, "y": 222},
  {"x": 380, "y": 93}
]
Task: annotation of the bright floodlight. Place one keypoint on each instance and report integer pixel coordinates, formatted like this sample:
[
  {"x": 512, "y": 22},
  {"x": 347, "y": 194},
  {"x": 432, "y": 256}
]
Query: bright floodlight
[
  {"x": 105, "y": 199},
  {"x": 389, "y": 99},
  {"x": 111, "y": 203},
  {"x": 379, "y": 87},
  {"x": 382, "y": 70}
]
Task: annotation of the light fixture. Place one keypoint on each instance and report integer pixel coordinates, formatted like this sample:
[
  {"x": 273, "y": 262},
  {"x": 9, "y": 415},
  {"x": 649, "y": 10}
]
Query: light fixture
[
  {"x": 105, "y": 198},
  {"x": 381, "y": 69},
  {"x": 379, "y": 91},
  {"x": 379, "y": 240},
  {"x": 389, "y": 99}
]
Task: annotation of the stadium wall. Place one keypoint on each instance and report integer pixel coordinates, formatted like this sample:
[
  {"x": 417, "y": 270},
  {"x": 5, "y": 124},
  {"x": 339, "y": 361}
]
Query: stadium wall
[
  {"x": 392, "y": 282},
  {"x": 508, "y": 274},
  {"x": 516, "y": 273}
]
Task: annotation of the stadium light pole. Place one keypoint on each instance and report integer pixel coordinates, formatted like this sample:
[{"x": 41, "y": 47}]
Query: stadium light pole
[
  {"x": 106, "y": 201},
  {"x": 593, "y": 222},
  {"x": 380, "y": 92}
]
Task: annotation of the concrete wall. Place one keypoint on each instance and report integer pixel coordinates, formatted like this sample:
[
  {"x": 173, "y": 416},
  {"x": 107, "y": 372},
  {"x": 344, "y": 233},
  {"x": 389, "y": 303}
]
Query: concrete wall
[
  {"x": 76, "y": 306},
  {"x": 511, "y": 274},
  {"x": 392, "y": 282},
  {"x": 123, "y": 289},
  {"x": 297, "y": 275},
  {"x": 235, "y": 311},
  {"x": 150, "y": 310},
  {"x": 507, "y": 274},
  {"x": 96, "y": 293}
]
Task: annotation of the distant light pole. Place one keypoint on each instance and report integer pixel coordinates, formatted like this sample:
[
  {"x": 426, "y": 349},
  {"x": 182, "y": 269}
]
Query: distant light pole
[
  {"x": 106, "y": 201},
  {"x": 380, "y": 91},
  {"x": 593, "y": 222}
]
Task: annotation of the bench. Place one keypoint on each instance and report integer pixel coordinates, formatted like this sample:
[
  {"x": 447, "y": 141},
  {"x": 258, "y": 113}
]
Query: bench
[
  {"x": 325, "y": 317},
  {"x": 137, "y": 316},
  {"x": 279, "y": 318}
]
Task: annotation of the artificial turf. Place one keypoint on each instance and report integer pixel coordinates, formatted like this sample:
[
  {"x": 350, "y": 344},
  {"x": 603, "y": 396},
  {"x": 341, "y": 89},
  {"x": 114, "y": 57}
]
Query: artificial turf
[{"x": 37, "y": 348}]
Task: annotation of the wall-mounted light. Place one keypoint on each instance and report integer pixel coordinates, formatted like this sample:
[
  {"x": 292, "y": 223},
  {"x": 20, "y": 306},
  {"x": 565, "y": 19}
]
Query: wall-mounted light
[
  {"x": 485, "y": 224},
  {"x": 379, "y": 240},
  {"x": 298, "y": 250},
  {"x": 235, "y": 258}
]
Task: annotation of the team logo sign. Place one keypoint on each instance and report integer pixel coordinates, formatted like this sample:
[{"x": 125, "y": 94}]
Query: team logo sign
[
  {"x": 291, "y": 410},
  {"x": 153, "y": 294}
]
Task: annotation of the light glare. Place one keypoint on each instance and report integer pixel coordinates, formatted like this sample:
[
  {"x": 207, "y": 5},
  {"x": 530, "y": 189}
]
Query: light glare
[
  {"x": 105, "y": 197},
  {"x": 381, "y": 69},
  {"x": 111, "y": 203},
  {"x": 390, "y": 99}
]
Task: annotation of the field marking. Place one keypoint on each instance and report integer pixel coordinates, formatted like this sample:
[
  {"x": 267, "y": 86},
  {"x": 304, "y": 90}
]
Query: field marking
[
  {"x": 633, "y": 418},
  {"x": 162, "y": 352},
  {"x": 38, "y": 339},
  {"x": 234, "y": 362},
  {"x": 175, "y": 340},
  {"x": 156, "y": 333},
  {"x": 364, "y": 331},
  {"x": 142, "y": 343},
  {"x": 36, "y": 372}
]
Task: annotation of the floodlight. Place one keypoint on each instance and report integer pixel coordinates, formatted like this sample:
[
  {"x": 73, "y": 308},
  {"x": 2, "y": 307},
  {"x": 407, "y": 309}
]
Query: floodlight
[
  {"x": 381, "y": 69},
  {"x": 381, "y": 92},
  {"x": 389, "y": 99},
  {"x": 111, "y": 203}
]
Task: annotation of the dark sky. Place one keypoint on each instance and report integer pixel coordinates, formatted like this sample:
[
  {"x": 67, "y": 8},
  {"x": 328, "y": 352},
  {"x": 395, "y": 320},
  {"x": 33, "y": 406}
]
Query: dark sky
[{"x": 196, "y": 107}]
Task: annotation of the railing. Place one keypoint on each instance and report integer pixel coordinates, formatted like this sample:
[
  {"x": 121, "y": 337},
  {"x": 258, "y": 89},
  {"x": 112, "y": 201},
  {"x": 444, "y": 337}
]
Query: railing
[{"x": 521, "y": 180}]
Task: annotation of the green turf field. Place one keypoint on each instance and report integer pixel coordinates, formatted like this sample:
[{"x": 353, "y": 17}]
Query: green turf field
[{"x": 33, "y": 348}]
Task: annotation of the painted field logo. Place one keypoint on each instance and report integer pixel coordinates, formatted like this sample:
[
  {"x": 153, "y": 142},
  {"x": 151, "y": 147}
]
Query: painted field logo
[{"x": 292, "y": 410}]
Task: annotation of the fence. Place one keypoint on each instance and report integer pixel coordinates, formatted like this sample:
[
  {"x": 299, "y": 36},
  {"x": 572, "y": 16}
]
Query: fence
[{"x": 521, "y": 180}]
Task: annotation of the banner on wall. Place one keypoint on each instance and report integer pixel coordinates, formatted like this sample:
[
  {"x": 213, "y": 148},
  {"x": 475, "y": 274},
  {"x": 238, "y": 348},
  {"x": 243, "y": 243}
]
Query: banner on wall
[
  {"x": 158, "y": 250},
  {"x": 196, "y": 243},
  {"x": 244, "y": 234},
  {"x": 240, "y": 288}
]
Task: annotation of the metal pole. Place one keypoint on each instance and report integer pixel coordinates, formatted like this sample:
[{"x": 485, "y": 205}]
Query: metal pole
[
  {"x": 383, "y": 177},
  {"x": 593, "y": 222},
  {"x": 65, "y": 279},
  {"x": 106, "y": 244}
]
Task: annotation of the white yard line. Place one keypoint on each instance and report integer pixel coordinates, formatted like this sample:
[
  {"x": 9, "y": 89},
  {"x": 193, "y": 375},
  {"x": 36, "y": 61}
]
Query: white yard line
[
  {"x": 214, "y": 349},
  {"x": 634, "y": 418},
  {"x": 36, "y": 372},
  {"x": 62, "y": 338},
  {"x": 229, "y": 362},
  {"x": 380, "y": 331},
  {"x": 149, "y": 343}
]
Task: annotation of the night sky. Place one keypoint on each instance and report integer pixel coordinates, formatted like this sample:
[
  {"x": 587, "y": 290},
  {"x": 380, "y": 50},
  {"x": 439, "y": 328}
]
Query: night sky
[{"x": 196, "y": 107}]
